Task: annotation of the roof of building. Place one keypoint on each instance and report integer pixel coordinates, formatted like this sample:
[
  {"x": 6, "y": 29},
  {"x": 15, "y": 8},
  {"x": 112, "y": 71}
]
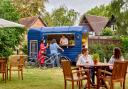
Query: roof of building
[
  {"x": 111, "y": 21},
  {"x": 96, "y": 23},
  {"x": 29, "y": 21}
]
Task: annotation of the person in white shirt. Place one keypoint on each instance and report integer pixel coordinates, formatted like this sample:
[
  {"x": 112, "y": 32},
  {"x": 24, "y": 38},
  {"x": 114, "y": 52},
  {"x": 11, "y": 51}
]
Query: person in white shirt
[
  {"x": 117, "y": 55},
  {"x": 85, "y": 59},
  {"x": 63, "y": 40}
]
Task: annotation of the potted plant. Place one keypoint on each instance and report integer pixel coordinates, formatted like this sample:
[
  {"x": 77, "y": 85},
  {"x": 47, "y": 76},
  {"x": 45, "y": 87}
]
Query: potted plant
[
  {"x": 96, "y": 58},
  {"x": 72, "y": 42}
]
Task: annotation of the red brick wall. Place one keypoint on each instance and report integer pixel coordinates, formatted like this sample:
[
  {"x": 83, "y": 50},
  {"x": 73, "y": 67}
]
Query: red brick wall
[{"x": 38, "y": 23}]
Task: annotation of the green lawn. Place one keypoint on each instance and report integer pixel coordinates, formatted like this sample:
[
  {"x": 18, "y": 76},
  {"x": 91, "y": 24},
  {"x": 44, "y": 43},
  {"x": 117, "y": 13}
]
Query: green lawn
[{"x": 39, "y": 79}]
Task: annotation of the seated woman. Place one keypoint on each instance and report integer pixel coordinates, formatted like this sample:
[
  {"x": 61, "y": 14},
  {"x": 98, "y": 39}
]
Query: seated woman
[
  {"x": 84, "y": 59},
  {"x": 117, "y": 55}
]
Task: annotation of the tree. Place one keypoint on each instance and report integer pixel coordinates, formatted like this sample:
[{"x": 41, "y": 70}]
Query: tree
[
  {"x": 61, "y": 17},
  {"x": 100, "y": 11},
  {"x": 9, "y": 37},
  {"x": 7, "y": 11},
  {"x": 29, "y": 7},
  {"x": 119, "y": 9}
]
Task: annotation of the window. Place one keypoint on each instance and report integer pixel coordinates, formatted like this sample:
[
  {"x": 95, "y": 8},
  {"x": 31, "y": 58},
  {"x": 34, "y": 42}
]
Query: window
[
  {"x": 33, "y": 48},
  {"x": 69, "y": 36}
]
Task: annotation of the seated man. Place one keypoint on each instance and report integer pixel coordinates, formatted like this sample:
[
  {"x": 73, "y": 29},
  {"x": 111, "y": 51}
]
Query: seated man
[{"x": 63, "y": 40}]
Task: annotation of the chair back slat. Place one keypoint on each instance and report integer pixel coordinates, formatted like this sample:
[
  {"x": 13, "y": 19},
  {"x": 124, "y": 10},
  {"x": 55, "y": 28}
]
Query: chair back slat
[
  {"x": 119, "y": 70},
  {"x": 2, "y": 66},
  {"x": 14, "y": 60},
  {"x": 66, "y": 69},
  {"x": 21, "y": 61}
]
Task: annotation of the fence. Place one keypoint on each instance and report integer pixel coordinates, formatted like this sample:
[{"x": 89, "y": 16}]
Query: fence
[{"x": 104, "y": 40}]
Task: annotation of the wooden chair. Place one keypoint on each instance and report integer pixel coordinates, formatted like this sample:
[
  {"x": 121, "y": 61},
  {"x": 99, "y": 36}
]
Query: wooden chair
[
  {"x": 118, "y": 75},
  {"x": 69, "y": 75},
  {"x": 16, "y": 64},
  {"x": 3, "y": 68}
]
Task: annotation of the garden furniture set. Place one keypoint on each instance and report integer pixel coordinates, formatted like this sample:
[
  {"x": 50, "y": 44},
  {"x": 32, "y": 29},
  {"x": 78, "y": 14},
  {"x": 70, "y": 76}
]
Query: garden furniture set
[
  {"x": 13, "y": 63},
  {"x": 102, "y": 74}
]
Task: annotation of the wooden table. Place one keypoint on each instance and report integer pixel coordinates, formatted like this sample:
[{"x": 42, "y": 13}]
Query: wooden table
[{"x": 97, "y": 66}]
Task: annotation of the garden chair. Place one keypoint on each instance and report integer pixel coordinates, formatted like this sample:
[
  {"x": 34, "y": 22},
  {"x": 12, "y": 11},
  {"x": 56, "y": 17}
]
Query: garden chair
[
  {"x": 3, "y": 68},
  {"x": 118, "y": 75},
  {"x": 69, "y": 75},
  {"x": 16, "y": 64}
]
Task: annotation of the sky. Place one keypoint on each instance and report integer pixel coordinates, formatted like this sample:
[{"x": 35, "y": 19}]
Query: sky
[{"x": 80, "y": 6}]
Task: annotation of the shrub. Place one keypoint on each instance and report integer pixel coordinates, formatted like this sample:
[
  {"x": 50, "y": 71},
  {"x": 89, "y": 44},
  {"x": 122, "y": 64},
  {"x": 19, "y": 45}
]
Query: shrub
[
  {"x": 97, "y": 49},
  {"x": 107, "y": 32},
  {"x": 25, "y": 48},
  {"x": 125, "y": 56},
  {"x": 124, "y": 44},
  {"x": 102, "y": 50}
]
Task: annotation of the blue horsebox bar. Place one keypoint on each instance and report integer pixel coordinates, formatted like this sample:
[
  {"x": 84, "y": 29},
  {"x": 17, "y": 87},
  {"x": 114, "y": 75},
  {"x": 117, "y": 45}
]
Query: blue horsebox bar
[{"x": 75, "y": 40}]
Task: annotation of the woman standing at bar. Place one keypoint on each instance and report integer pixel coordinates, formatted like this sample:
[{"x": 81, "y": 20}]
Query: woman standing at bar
[{"x": 42, "y": 52}]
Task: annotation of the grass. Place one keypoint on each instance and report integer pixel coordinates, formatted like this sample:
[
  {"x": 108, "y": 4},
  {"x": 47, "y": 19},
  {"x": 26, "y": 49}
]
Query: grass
[{"x": 39, "y": 79}]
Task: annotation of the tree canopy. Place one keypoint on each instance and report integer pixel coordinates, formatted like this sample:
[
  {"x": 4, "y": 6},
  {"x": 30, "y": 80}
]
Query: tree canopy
[
  {"x": 29, "y": 7},
  {"x": 119, "y": 9},
  {"x": 7, "y": 11},
  {"x": 61, "y": 17},
  {"x": 107, "y": 32},
  {"x": 100, "y": 11}
]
